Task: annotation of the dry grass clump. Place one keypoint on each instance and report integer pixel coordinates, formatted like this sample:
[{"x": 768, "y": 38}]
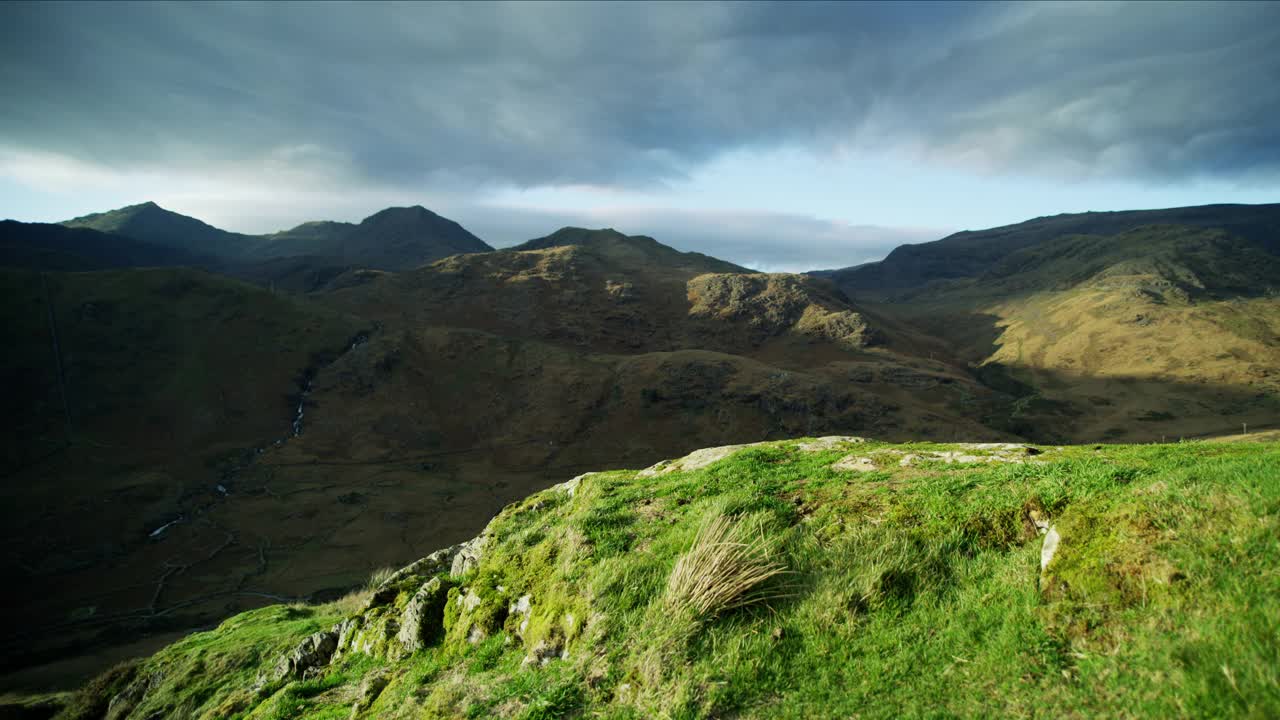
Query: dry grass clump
[
  {"x": 378, "y": 577},
  {"x": 356, "y": 599},
  {"x": 725, "y": 568}
]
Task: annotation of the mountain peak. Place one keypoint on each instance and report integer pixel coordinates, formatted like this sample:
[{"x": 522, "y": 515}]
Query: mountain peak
[
  {"x": 148, "y": 222},
  {"x": 612, "y": 244},
  {"x": 402, "y": 213},
  {"x": 570, "y": 235}
]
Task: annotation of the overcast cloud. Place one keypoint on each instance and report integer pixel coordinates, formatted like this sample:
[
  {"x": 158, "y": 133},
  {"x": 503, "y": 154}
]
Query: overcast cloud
[{"x": 430, "y": 99}]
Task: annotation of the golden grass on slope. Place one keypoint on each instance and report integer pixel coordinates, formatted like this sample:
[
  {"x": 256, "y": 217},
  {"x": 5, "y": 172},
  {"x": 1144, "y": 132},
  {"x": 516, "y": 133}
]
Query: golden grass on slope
[{"x": 725, "y": 568}]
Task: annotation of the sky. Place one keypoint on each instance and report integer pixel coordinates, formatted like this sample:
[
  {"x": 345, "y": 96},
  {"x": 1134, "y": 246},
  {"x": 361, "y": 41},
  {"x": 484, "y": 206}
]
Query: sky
[{"x": 788, "y": 136}]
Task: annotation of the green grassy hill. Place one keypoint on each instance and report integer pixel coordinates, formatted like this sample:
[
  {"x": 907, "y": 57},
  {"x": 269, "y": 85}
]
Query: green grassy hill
[{"x": 830, "y": 578}]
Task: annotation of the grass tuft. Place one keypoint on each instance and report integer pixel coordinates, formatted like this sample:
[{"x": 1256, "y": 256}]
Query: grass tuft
[{"x": 727, "y": 567}]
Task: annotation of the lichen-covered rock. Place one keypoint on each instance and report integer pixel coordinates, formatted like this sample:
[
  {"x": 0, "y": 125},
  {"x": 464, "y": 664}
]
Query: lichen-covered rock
[
  {"x": 468, "y": 555},
  {"x": 854, "y": 463},
  {"x": 545, "y": 651},
  {"x": 346, "y": 631},
  {"x": 132, "y": 696},
  {"x": 370, "y": 688},
  {"x": 377, "y": 634},
  {"x": 433, "y": 564},
  {"x": 695, "y": 460},
  {"x": 313, "y": 652},
  {"x": 570, "y": 487},
  {"x": 830, "y": 442},
  {"x": 423, "y": 618},
  {"x": 521, "y": 610},
  {"x": 474, "y": 613}
]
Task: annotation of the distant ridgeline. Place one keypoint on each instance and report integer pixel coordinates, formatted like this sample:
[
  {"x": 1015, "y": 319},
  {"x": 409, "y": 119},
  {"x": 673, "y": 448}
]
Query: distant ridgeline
[{"x": 304, "y": 258}]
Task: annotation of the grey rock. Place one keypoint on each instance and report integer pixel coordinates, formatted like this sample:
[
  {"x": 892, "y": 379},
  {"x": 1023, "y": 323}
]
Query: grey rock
[
  {"x": 123, "y": 704},
  {"x": 346, "y": 632},
  {"x": 426, "y": 567},
  {"x": 570, "y": 487},
  {"x": 545, "y": 651},
  {"x": 1049, "y": 548},
  {"x": 312, "y": 653},
  {"x": 854, "y": 463},
  {"x": 469, "y": 555},
  {"x": 830, "y": 442},
  {"x": 694, "y": 460},
  {"x": 370, "y": 688},
  {"x": 423, "y": 618},
  {"x": 522, "y": 607}
]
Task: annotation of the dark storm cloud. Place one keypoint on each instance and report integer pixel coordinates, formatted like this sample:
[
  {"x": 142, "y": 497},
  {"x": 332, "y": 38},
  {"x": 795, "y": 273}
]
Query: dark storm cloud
[{"x": 625, "y": 93}]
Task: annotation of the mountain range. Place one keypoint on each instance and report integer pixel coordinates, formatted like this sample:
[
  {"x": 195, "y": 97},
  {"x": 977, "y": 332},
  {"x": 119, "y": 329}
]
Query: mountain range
[
  {"x": 392, "y": 239},
  {"x": 204, "y": 421}
]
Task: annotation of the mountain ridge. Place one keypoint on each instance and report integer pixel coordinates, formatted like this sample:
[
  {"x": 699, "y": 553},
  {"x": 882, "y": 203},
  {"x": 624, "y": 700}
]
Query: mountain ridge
[
  {"x": 395, "y": 238},
  {"x": 967, "y": 253}
]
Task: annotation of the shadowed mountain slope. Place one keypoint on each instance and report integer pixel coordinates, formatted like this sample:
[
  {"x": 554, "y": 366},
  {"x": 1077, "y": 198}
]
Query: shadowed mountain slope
[
  {"x": 971, "y": 253},
  {"x": 41, "y": 246},
  {"x": 151, "y": 223},
  {"x": 392, "y": 239}
]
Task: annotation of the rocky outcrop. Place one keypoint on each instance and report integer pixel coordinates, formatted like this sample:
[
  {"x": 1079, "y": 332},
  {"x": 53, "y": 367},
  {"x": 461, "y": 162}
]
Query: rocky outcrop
[
  {"x": 468, "y": 555},
  {"x": 768, "y": 305},
  {"x": 370, "y": 688},
  {"x": 414, "y": 573},
  {"x": 705, "y": 457},
  {"x": 695, "y": 460},
  {"x": 440, "y": 598},
  {"x": 969, "y": 453},
  {"x": 311, "y": 654},
  {"x": 422, "y": 619}
]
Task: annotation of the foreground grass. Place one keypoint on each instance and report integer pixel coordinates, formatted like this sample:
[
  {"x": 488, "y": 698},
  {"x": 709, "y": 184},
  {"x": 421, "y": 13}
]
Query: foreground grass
[{"x": 909, "y": 592}]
